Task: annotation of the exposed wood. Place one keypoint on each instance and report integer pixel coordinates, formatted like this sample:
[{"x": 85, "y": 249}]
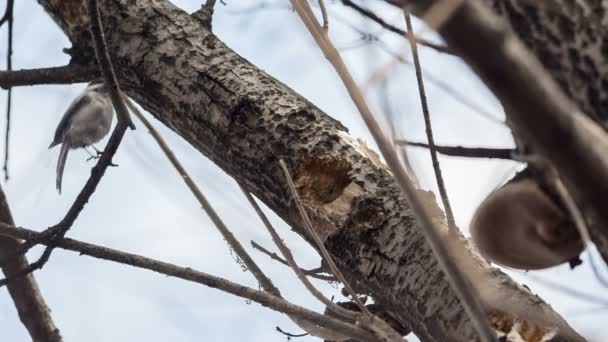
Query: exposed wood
[{"x": 245, "y": 121}]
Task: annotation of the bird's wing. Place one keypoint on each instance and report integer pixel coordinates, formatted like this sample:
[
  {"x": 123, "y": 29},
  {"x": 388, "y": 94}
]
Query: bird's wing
[{"x": 76, "y": 105}]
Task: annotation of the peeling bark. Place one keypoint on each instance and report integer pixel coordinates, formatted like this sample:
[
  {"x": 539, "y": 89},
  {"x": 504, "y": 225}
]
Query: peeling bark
[{"x": 245, "y": 121}]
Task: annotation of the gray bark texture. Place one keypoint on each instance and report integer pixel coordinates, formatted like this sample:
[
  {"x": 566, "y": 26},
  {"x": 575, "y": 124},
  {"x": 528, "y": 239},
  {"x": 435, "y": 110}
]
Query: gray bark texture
[{"x": 245, "y": 121}]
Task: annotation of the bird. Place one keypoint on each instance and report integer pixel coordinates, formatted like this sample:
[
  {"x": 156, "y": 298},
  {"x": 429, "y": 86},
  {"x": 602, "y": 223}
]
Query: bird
[
  {"x": 521, "y": 226},
  {"x": 86, "y": 121}
]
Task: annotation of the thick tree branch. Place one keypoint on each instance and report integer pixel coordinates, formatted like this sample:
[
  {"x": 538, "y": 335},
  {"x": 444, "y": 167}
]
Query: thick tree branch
[{"x": 244, "y": 120}]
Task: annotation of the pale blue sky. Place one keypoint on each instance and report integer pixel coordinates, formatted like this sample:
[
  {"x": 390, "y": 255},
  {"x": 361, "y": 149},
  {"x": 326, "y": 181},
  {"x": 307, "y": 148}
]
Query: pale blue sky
[{"x": 143, "y": 207}]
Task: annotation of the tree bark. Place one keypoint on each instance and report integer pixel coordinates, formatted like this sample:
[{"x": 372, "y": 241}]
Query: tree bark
[{"x": 245, "y": 121}]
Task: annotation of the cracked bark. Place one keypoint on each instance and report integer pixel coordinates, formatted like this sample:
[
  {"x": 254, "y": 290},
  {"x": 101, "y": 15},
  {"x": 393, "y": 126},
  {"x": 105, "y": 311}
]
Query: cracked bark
[
  {"x": 33, "y": 311},
  {"x": 245, "y": 121}
]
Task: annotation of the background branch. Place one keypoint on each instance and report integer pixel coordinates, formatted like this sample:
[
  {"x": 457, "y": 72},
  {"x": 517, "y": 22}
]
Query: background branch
[
  {"x": 429, "y": 127},
  {"x": 467, "y": 152},
  {"x": 71, "y": 73},
  {"x": 262, "y": 297}
]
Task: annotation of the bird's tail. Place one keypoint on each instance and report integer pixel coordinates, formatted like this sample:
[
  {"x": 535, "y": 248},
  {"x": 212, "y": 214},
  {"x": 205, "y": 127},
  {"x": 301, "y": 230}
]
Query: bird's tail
[{"x": 63, "y": 155}]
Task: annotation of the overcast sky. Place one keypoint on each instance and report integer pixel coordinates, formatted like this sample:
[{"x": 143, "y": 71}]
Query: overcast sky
[{"x": 143, "y": 207}]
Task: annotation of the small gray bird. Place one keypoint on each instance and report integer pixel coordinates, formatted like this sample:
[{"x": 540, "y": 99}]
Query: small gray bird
[{"x": 87, "y": 120}]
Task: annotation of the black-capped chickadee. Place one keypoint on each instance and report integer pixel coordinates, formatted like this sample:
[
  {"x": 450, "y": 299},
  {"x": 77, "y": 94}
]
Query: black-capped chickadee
[{"x": 87, "y": 120}]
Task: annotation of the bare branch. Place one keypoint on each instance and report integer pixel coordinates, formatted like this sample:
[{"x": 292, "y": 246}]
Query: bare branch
[
  {"x": 371, "y": 15},
  {"x": 205, "y": 13},
  {"x": 464, "y": 99},
  {"x": 467, "y": 152},
  {"x": 31, "y": 307},
  {"x": 324, "y": 13},
  {"x": 186, "y": 273},
  {"x": 369, "y": 321},
  {"x": 71, "y": 73},
  {"x": 581, "y": 226},
  {"x": 105, "y": 64},
  {"x": 442, "y": 251},
  {"x": 313, "y": 234},
  {"x": 274, "y": 256},
  {"x": 290, "y": 260},
  {"x": 429, "y": 128},
  {"x": 8, "y": 12},
  {"x": 8, "y": 15}
]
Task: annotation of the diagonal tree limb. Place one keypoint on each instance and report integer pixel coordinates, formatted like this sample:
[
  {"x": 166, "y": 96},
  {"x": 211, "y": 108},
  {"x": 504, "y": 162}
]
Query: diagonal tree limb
[
  {"x": 429, "y": 127},
  {"x": 31, "y": 307}
]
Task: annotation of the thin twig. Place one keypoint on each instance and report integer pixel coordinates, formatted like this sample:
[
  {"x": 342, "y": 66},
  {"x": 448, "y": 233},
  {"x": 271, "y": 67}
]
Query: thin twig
[
  {"x": 8, "y": 12},
  {"x": 105, "y": 64},
  {"x": 467, "y": 152},
  {"x": 274, "y": 256},
  {"x": 290, "y": 335},
  {"x": 187, "y": 273},
  {"x": 581, "y": 226},
  {"x": 264, "y": 281},
  {"x": 429, "y": 128},
  {"x": 9, "y": 67},
  {"x": 324, "y": 14},
  {"x": 311, "y": 231},
  {"x": 442, "y": 251},
  {"x": 292, "y": 263},
  {"x": 369, "y": 321},
  {"x": 435, "y": 80},
  {"x": 371, "y": 15},
  {"x": 67, "y": 74}
]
